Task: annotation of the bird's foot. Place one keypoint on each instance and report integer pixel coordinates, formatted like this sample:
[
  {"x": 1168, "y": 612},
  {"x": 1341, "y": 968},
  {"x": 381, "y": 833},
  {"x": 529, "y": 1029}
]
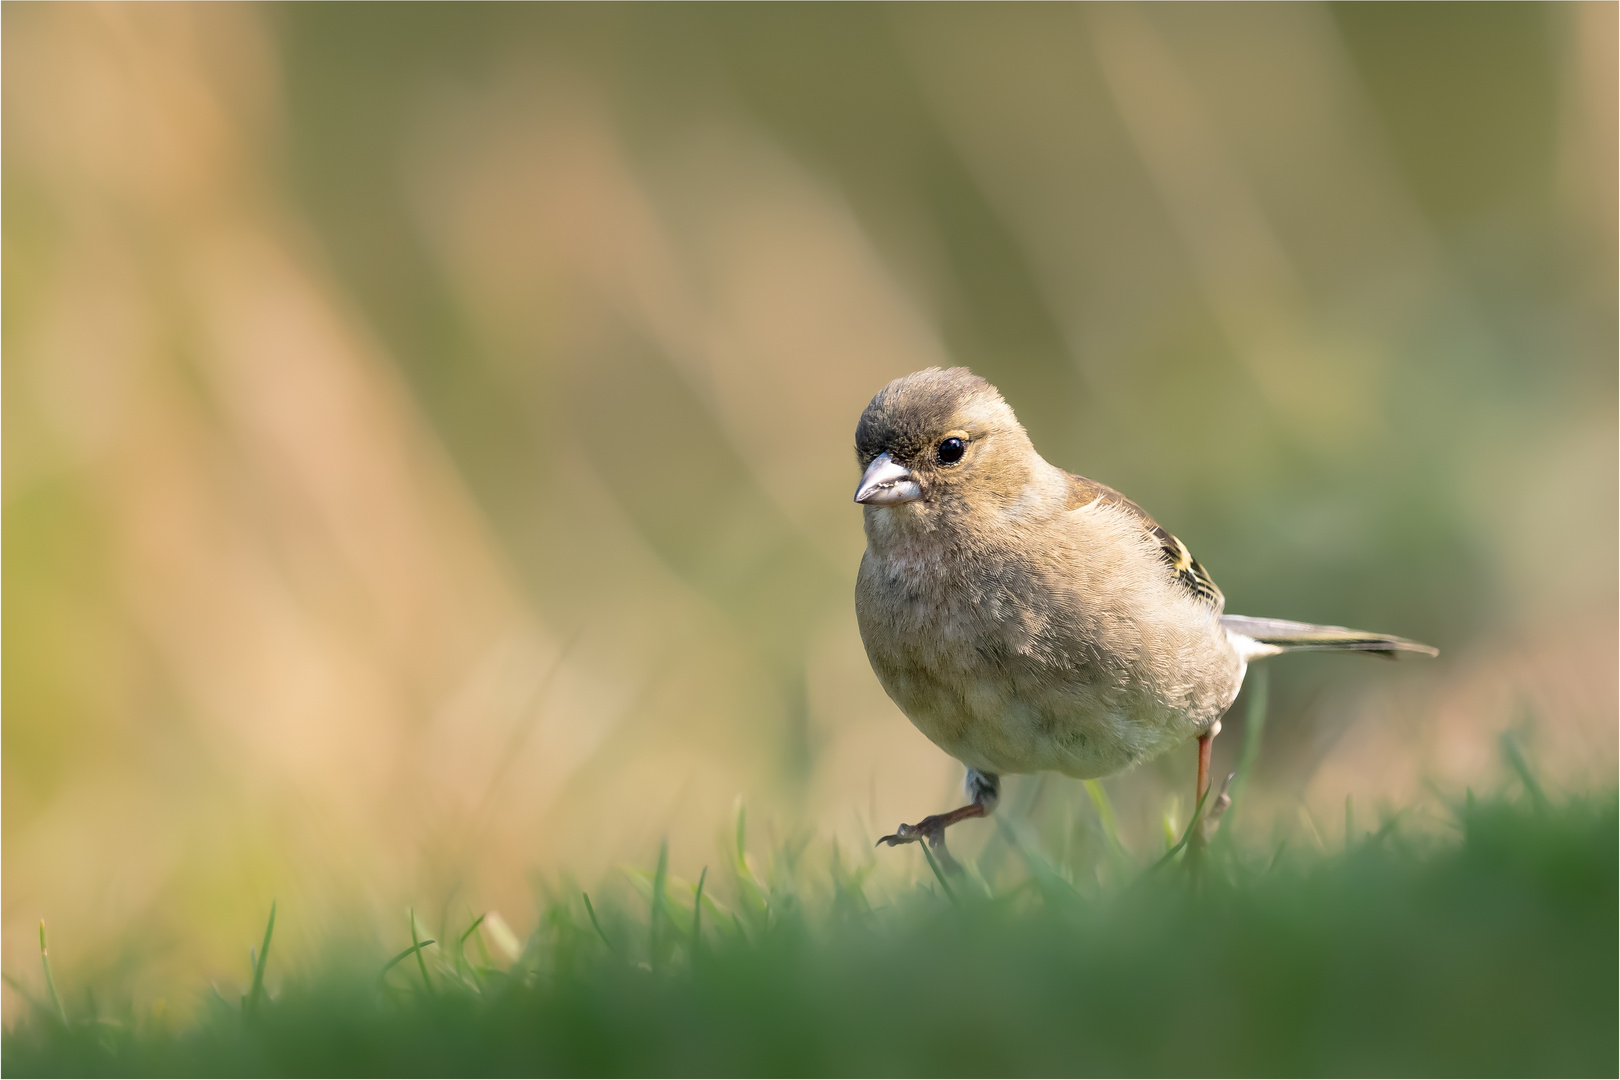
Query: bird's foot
[
  {"x": 931, "y": 828},
  {"x": 1221, "y": 804},
  {"x": 1204, "y": 828}
]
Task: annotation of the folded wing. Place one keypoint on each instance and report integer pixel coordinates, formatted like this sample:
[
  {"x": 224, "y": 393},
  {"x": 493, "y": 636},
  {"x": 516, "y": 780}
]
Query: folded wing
[{"x": 1189, "y": 573}]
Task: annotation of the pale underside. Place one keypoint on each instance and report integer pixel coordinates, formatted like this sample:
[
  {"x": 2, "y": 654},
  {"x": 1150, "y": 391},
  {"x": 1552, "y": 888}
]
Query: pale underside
[{"x": 1071, "y": 648}]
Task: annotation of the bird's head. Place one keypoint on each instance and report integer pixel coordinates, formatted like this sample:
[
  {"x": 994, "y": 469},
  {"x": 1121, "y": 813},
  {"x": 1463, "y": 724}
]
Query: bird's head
[{"x": 939, "y": 443}]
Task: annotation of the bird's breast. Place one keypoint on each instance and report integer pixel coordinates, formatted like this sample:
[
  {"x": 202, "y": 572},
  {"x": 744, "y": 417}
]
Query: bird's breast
[{"x": 1008, "y": 666}]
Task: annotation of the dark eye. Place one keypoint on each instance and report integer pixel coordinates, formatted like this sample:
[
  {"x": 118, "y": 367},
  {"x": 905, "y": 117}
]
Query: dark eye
[{"x": 950, "y": 451}]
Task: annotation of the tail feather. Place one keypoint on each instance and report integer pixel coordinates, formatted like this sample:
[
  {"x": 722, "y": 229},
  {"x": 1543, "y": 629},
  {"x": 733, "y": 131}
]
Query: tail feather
[{"x": 1273, "y": 636}]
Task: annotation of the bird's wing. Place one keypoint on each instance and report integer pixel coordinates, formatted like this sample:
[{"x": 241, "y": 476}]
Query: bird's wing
[{"x": 1189, "y": 573}]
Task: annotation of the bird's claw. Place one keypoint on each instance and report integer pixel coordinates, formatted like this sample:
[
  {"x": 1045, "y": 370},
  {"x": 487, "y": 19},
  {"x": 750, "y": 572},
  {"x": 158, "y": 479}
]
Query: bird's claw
[
  {"x": 931, "y": 829},
  {"x": 1220, "y": 805}
]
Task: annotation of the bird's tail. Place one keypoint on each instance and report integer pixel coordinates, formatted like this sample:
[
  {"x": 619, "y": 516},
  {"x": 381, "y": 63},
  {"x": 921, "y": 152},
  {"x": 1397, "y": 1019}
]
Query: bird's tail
[{"x": 1255, "y": 638}]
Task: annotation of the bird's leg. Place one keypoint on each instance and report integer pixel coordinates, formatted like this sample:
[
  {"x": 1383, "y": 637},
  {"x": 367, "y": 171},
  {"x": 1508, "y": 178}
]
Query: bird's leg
[
  {"x": 1206, "y": 744},
  {"x": 984, "y": 789}
]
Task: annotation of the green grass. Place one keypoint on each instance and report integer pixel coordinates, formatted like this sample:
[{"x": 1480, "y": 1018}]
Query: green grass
[{"x": 1489, "y": 952}]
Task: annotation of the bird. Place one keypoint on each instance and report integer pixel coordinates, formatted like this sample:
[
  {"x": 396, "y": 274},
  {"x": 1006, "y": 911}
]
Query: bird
[{"x": 1026, "y": 619}]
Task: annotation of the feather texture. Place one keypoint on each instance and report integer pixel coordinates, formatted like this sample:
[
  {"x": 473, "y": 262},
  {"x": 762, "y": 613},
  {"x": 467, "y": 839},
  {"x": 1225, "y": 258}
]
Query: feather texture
[{"x": 1189, "y": 572}]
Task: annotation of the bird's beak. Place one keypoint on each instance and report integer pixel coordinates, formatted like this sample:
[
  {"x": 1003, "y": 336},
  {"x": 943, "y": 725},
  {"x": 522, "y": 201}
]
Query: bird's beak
[{"x": 887, "y": 483}]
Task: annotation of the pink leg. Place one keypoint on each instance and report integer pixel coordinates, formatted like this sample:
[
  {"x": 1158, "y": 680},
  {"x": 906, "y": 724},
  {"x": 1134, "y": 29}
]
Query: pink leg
[{"x": 1206, "y": 743}]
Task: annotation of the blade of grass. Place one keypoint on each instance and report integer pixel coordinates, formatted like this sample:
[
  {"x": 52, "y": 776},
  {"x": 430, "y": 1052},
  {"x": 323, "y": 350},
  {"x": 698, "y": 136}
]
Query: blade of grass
[
  {"x": 1043, "y": 871},
  {"x": 933, "y": 864},
  {"x": 1105, "y": 812},
  {"x": 403, "y": 953},
  {"x": 461, "y": 942},
  {"x": 750, "y": 888},
  {"x": 1389, "y": 826},
  {"x": 849, "y": 884},
  {"x": 1310, "y": 827},
  {"x": 28, "y": 997},
  {"x": 697, "y": 912},
  {"x": 256, "y": 991},
  {"x": 483, "y": 951},
  {"x": 1515, "y": 758},
  {"x": 50, "y": 981},
  {"x": 1197, "y": 818},
  {"x": 660, "y": 880},
  {"x": 421, "y": 963},
  {"x": 1106, "y": 817},
  {"x": 591, "y": 911},
  {"x": 1169, "y": 822}
]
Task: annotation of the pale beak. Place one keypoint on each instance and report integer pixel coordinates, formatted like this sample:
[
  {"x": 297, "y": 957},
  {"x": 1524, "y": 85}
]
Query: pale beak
[{"x": 886, "y": 483}]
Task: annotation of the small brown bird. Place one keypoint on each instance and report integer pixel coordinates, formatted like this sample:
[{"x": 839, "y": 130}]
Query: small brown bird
[{"x": 1028, "y": 619}]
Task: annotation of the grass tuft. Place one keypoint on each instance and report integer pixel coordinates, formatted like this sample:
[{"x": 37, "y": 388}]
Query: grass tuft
[
  {"x": 591, "y": 911},
  {"x": 1489, "y": 949},
  {"x": 50, "y": 980},
  {"x": 417, "y": 945},
  {"x": 250, "y": 1003}
]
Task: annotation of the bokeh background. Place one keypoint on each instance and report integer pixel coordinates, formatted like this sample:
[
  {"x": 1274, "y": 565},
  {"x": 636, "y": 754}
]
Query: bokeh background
[{"x": 428, "y": 429}]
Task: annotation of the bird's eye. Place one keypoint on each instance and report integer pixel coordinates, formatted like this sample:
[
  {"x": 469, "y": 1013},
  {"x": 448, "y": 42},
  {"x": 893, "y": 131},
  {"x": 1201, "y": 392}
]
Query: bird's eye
[{"x": 951, "y": 450}]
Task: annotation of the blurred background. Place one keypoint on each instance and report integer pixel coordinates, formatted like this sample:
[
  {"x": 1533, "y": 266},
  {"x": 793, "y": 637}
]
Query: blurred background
[{"x": 428, "y": 429}]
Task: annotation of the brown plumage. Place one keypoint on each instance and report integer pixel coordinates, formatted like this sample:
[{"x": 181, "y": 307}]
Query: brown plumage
[{"x": 1027, "y": 619}]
